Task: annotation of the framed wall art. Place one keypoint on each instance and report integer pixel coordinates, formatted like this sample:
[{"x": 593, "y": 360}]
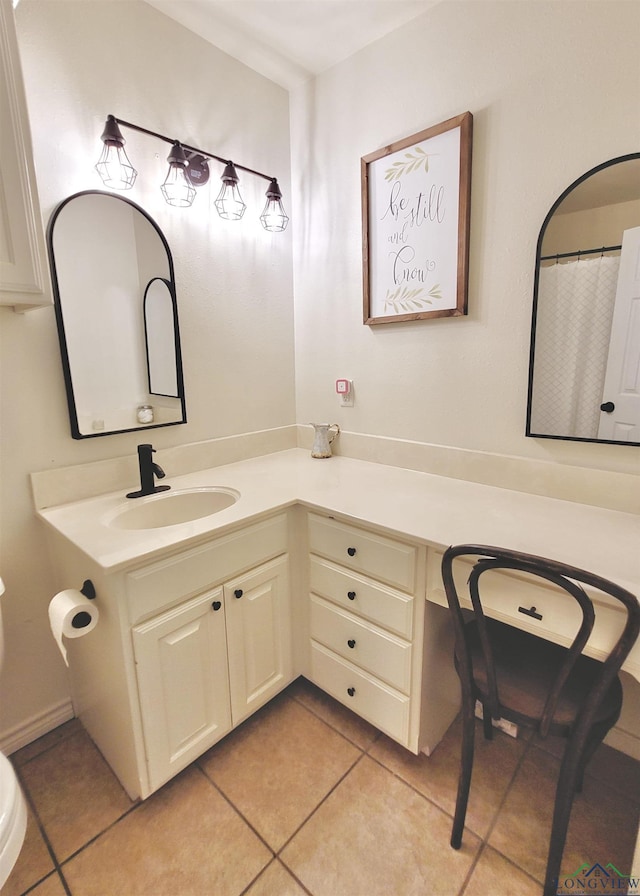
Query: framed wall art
[{"x": 416, "y": 199}]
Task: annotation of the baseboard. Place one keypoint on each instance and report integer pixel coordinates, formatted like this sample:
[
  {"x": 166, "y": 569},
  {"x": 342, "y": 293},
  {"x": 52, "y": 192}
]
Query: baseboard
[
  {"x": 35, "y": 727},
  {"x": 627, "y": 743}
]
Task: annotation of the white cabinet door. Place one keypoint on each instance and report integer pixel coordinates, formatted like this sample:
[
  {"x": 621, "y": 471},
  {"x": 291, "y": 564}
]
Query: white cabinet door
[
  {"x": 24, "y": 279},
  {"x": 258, "y": 636},
  {"x": 181, "y": 659}
]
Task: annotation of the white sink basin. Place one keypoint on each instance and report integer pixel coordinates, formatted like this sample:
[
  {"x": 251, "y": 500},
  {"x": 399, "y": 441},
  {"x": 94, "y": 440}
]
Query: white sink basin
[{"x": 172, "y": 508}]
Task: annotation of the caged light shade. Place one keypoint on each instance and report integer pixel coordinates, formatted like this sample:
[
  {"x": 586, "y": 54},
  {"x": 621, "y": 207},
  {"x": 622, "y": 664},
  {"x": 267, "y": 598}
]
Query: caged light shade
[
  {"x": 229, "y": 203},
  {"x": 113, "y": 166},
  {"x": 177, "y": 189},
  {"x": 273, "y": 216}
]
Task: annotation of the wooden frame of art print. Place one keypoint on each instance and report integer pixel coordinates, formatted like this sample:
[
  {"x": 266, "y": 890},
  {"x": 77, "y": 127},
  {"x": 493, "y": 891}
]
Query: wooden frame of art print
[{"x": 416, "y": 201}]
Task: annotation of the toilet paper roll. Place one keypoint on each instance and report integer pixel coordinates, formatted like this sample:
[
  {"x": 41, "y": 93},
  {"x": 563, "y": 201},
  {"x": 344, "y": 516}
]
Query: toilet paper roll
[{"x": 71, "y": 615}]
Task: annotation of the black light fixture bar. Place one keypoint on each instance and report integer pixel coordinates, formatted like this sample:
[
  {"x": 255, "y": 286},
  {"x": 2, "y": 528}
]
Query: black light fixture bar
[
  {"x": 187, "y": 170},
  {"x": 193, "y": 149}
]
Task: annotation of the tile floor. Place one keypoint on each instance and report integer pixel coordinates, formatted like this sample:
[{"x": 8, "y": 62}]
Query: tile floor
[{"x": 306, "y": 798}]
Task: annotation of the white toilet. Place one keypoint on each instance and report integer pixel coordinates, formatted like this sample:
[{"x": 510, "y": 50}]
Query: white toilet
[{"x": 13, "y": 810}]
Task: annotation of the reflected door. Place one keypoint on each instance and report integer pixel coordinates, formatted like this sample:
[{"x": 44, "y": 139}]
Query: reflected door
[{"x": 622, "y": 379}]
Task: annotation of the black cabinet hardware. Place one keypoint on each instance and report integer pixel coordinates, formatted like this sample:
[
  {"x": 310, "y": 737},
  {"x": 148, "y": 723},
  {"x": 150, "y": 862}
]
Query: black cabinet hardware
[
  {"x": 238, "y": 593},
  {"x": 532, "y": 612},
  {"x": 216, "y": 604}
]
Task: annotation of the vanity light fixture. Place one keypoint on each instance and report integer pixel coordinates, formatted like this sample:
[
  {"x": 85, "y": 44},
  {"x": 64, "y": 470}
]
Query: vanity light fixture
[{"x": 188, "y": 169}]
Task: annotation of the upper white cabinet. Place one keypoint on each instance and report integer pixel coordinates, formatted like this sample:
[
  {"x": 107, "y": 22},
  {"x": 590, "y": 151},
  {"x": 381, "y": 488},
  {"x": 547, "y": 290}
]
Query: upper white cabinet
[{"x": 24, "y": 280}]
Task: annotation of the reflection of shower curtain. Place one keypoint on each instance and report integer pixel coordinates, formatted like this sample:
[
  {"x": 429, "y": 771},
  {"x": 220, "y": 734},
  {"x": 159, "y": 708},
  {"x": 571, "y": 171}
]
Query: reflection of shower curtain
[{"x": 575, "y": 306}]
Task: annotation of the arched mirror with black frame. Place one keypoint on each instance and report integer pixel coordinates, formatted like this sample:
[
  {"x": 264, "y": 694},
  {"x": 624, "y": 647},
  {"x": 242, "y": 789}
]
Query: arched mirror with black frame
[
  {"x": 117, "y": 316},
  {"x": 584, "y": 365}
]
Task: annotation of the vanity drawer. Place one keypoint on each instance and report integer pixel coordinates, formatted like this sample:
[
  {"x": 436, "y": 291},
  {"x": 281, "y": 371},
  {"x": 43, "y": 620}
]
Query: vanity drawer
[
  {"x": 385, "y": 708},
  {"x": 383, "y": 558},
  {"x": 504, "y": 593},
  {"x": 390, "y": 609},
  {"x": 180, "y": 576},
  {"x": 380, "y": 653}
]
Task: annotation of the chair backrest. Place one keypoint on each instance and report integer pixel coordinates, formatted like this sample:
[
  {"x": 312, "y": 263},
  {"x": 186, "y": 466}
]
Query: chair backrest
[{"x": 568, "y": 578}]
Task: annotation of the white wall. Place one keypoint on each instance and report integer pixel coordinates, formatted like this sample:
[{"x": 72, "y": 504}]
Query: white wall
[
  {"x": 81, "y": 62},
  {"x": 554, "y": 89}
]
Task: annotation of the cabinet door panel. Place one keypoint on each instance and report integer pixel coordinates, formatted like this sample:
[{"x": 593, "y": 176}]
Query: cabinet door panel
[
  {"x": 181, "y": 660},
  {"x": 259, "y": 636}
]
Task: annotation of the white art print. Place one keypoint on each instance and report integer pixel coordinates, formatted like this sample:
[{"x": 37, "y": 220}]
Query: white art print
[{"x": 415, "y": 201}]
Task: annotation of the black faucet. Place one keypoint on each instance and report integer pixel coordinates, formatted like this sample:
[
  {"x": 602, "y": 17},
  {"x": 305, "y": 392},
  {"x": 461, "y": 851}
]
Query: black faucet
[{"x": 148, "y": 471}]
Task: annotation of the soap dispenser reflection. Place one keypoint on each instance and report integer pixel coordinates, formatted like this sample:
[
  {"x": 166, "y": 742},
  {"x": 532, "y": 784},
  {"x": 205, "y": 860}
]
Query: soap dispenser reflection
[{"x": 324, "y": 434}]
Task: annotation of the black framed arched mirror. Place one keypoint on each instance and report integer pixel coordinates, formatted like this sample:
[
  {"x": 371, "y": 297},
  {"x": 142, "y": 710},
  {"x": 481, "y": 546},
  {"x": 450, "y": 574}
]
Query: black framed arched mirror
[
  {"x": 117, "y": 316},
  {"x": 584, "y": 365}
]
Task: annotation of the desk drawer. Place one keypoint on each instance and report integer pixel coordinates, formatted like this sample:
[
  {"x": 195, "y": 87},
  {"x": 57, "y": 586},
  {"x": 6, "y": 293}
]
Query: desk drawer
[
  {"x": 374, "y": 701},
  {"x": 382, "y": 558},
  {"x": 382, "y": 654},
  {"x": 503, "y": 593},
  {"x": 357, "y": 594}
]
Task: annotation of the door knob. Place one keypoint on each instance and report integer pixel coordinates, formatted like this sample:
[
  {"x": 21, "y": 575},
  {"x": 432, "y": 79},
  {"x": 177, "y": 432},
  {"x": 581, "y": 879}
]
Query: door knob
[
  {"x": 351, "y": 595},
  {"x": 351, "y": 642},
  {"x": 351, "y": 552},
  {"x": 216, "y": 604},
  {"x": 608, "y": 407},
  {"x": 351, "y": 691},
  {"x": 238, "y": 593}
]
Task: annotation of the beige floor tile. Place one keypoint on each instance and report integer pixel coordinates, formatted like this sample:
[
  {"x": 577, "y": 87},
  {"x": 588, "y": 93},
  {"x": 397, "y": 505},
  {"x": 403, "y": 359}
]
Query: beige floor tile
[
  {"x": 355, "y": 729},
  {"x": 75, "y": 793},
  {"x": 278, "y": 766},
  {"x": 46, "y": 742},
  {"x": 275, "y": 881},
  {"x": 185, "y": 840},
  {"x": 602, "y": 828},
  {"x": 52, "y": 886},
  {"x": 436, "y": 776},
  {"x": 496, "y": 875},
  {"x": 376, "y": 836},
  {"x": 34, "y": 861}
]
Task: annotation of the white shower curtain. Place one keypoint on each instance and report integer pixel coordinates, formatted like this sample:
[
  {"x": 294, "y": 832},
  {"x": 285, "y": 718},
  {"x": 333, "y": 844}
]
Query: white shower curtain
[{"x": 575, "y": 307}]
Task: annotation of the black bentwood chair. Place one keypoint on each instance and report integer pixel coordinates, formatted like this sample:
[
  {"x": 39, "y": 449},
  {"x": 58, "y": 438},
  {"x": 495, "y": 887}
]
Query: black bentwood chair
[{"x": 532, "y": 682}]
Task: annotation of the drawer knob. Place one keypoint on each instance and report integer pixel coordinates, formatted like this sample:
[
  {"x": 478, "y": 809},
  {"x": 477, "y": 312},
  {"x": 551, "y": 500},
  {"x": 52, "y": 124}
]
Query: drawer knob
[
  {"x": 238, "y": 593},
  {"x": 351, "y": 642},
  {"x": 351, "y": 691},
  {"x": 216, "y": 604},
  {"x": 351, "y": 595},
  {"x": 351, "y": 552}
]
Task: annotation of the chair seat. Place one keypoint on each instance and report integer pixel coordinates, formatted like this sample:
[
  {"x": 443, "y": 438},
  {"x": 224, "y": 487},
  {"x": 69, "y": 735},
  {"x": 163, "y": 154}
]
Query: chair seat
[{"x": 526, "y": 667}]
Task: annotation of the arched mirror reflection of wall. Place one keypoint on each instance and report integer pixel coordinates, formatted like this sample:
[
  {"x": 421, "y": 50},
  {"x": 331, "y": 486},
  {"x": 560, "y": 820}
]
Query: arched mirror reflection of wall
[
  {"x": 117, "y": 316},
  {"x": 584, "y": 374}
]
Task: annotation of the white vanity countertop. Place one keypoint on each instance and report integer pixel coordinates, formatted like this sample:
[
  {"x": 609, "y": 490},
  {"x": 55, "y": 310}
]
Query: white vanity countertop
[{"x": 431, "y": 509}]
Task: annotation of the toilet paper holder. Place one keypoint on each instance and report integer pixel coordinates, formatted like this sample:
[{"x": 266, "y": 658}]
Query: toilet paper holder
[{"x": 88, "y": 589}]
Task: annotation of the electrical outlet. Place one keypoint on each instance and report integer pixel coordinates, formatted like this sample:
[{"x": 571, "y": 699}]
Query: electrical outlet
[
  {"x": 346, "y": 400},
  {"x": 509, "y": 728}
]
